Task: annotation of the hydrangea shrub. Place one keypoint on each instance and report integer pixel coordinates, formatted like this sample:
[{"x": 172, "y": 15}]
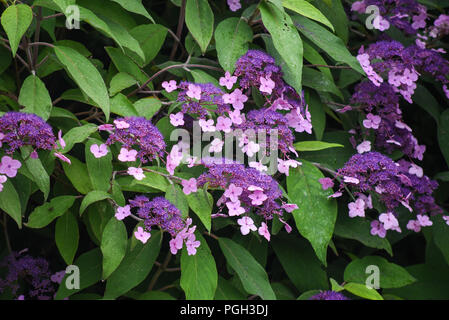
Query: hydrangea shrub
[{"x": 195, "y": 149}]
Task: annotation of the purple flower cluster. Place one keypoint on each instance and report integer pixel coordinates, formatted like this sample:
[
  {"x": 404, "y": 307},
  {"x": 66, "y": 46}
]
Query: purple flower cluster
[
  {"x": 234, "y": 5},
  {"x": 197, "y": 97},
  {"x": 266, "y": 120},
  {"x": 329, "y": 295},
  {"x": 401, "y": 66},
  {"x": 384, "y": 119},
  {"x": 163, "y": 214},
  {"x": 256, "y": 64},
  {"x": 31, "y": 276},
  {"x": 394, "y": 184},
  {"x": 137, "y": 132},
  {"x": 406, "y": 15},
  {"x": 158, "y": 212},
  {"x": 246, "y": 189},
  {"x": 18, "y": 129}
]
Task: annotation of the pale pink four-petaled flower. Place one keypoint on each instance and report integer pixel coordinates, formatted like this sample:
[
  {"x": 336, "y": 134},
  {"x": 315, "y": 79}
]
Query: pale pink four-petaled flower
[
  {"x": 216, "y": 145},
  {"x": 246, "y": 225},
  {"x": 378, "y": 229},
  {"x": 122, "y": 212},
  {"x": 9, "y": 166},
  {"x": 365, "y": 146},
  {"x": 207, "y": 125},
  {"x": 372, "y": 121},
  {"x": 194, "y": 91},
  {"x": 120, "y": 124},
  {"x": 357, "y": 208},
  {"x": 189, "y": 186},
  {"x": 266, "y": 85},
  {"x": 137, "y": 173},
  {"x": 173, "y": 159},
  {"x": 142, "y": 235},
  {"x": 169, "y": 86},
  {"x": 233, "y": 192},
  {"x": 224, "y": 124},
  {"x": 177, "y": 119},
  {"x": 289, "y": 207},
  {"x": 326, "y": 183},
  {"x": 257, "y": 197},
  {"x": 228, "y": 81},
  {"x": 235, "y": 208},
  {"x": 389, "y": 221},
  {"x": 127, "y": 155},
  {"x": 99, "y": 151},
  {"x": 284, "y": 165},
  {"x": 263, "y": 231}
]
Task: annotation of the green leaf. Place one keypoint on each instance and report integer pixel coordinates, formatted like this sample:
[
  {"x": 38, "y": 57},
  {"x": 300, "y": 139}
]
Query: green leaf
[
  {"x": 253, "y": 276},
  {"x": 200, "y": 21},
  {"x": 113, "y": 245},
  {"x": 443, "y": 135},
  {"x": 423, "y": 98},
  {"x": 326, "y": 41},
  {"x": 147, "y": 107},
  {"x": 99, "y": 169},
  {"x": 201, "y": 203},
  {"x": 175, "y": 195},
  {"x": 334, "y": 11},
  {"x": 124, "y": 63},
  {"x": 121, "y": 81},
  {"x": 441, "y": 235},
  {"x": 316, "y": 214},
  {"x": 287, "y": 42},
  {"x": 78, "y": 175},
  {"x": 312, "y": 55},
  {"x": 67, "y": 236},
  {"x": 226, "y": 291},
  {"x": 317, "y": 80},
  {"x": 231, "y": 39},
  {"x": 199, "y": 275},
  {"x": 151, "y": 37},
  {"x": 5, "y": 59},
  {"x": 153, "y": 180},
  {"x": 306, "y": 9},
  {"x": 37, "y": 170},
  {"x": 363, "y": 291},
  {"x": 46, "y": 213},
  {"x": 314, "y": 145},
  {"x": 92, "y": 197},
  {"x": 112, "y": 29},
  {"x": 35, "y": 97},
  {"x": 359, "y": 229},
  {"x": 333, "y": 158},
  {"x": 89, "y": 264},
  {"x": 135, "y": 6},
  {"x": 122, "y": 106},
  {"x": 78, "y": 135},
  {"x": 300, "y": 263},
  {"x": 134, "y": 268},
  {"x": 15, "y": 20},
  {"x": 391, "y": 275},
  {"x": 85, "y": 75},
  {"x": 443, "y": 176},
  {"x": 317, "y": 113},
  {"x": 10, "y": 202}
]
